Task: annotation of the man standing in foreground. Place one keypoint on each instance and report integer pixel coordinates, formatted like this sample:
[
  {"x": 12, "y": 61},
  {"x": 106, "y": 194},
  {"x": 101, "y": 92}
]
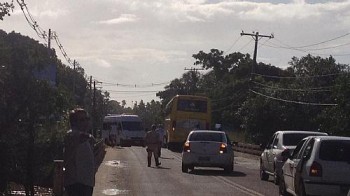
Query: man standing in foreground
[
  {"x": 79, "y": 160},
  {"x": 152, "y": 143}
]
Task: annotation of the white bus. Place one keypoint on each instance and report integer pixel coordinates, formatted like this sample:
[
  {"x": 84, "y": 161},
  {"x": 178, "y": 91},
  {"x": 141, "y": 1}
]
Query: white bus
[{"x": 123, "y": 130}]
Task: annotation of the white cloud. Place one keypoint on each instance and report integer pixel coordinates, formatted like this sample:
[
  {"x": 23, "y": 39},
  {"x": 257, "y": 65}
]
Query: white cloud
[
  {"x": 102, "y": 63},
  {"x": 124, "y": 18},
  {"x": 53, "y": 13},
  {"x": 157, "y": 36}
]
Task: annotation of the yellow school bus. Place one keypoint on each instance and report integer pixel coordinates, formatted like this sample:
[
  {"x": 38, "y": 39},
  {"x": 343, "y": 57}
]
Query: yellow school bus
[{"x": 183, "y": 114}]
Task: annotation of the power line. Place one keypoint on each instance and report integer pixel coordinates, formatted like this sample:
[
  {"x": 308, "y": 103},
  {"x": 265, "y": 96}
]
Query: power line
[
  {"x": 134, "y": 85},
  {"x": 291, "y": 101},
  {"x": 234, "y": 43},
  {"x": 32, "y": 23},
  {"x": 294, "y": 77},
  {"x": 322, "y": 42},
  {"x": 121, "y": 91},
  {"x": 318, "y": 89},
  {"x": 55, "y": 37}
]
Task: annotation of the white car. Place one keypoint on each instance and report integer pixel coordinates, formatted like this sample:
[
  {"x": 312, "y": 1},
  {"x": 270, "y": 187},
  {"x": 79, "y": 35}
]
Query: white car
[
  {"x": 320, "y": 165},
  {"x": 270, "y": 160},
  {"x": 207, "y": 148}
]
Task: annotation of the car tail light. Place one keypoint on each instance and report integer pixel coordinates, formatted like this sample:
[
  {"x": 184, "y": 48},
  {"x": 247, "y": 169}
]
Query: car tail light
[
  {"x": 174, "y": 125},
  {"x": 316, "y": 169},
  {"x": 223, "y": 148},
  {"x": 187, "y": 147}
]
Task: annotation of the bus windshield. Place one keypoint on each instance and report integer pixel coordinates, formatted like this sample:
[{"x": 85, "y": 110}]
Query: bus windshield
[
  {"x": 186, "y": 105},
  {"x": 132, "y": 125}
]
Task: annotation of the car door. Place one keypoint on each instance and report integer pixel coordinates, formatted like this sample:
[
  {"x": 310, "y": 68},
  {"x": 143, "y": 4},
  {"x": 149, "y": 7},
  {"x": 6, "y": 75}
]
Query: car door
[
  {"x": 264, "y": 158},
  {"x": 299, "y": 164},
  {"x": 289, "y": 166},
  {"x": 272, "y": 153}
]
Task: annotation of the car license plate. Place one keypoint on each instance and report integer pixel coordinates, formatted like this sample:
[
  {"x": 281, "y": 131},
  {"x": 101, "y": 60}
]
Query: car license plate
[{"x": 203, "y": 159}]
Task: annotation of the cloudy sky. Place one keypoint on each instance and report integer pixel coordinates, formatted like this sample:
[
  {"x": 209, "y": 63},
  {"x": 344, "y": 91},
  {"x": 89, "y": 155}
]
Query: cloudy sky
[{"x": 144, "y": 44}]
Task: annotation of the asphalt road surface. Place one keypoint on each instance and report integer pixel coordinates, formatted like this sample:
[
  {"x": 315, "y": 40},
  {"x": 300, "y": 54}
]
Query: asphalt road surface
[{"x": 124, "y": 171}]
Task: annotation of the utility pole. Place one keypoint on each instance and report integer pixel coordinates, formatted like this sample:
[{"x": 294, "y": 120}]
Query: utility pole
[
  {"x": 194, "y": 72},
  {"x": 256, "y": 37},
  {"x": 94, "y": 111},
  {"x": 49, "y": 40},
  {"x": 74, "y": 79}
]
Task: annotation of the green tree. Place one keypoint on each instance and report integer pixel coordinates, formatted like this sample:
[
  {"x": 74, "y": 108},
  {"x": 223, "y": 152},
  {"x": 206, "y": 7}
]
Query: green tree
[{"x": 5, "y": 9}]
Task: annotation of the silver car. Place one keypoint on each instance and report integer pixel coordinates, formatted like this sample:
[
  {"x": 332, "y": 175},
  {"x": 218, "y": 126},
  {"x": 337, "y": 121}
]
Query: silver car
[
  {"x": 271, "y": 160},
  {"x": 320, "y": 165},
  {"x": 206, "y": 148}
]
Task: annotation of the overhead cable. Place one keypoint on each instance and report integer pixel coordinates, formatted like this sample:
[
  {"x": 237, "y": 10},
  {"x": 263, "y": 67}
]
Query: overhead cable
[
  {"x": 319, "y": 89},
  {"x": 32, "y": 23},
  {"x": 299, "y": 77},
  {"x": 291, "y": 101}
]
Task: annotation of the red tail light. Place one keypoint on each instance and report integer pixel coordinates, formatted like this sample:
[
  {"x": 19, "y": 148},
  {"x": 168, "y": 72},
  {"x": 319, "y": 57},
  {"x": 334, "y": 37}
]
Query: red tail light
[
  {"x": 174, "y": 125},
  {"x": 316, "y": 169},
  {"x": 223, "y": 148},
  {"x": 187, "y": 147}
]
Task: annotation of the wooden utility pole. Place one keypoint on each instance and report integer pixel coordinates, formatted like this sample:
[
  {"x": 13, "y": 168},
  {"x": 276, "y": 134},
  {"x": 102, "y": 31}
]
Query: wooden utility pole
[
  {"x": 74, "y": 73},
  {"x": 256, "y": 37},
  {"x": 49, "y": 40}
]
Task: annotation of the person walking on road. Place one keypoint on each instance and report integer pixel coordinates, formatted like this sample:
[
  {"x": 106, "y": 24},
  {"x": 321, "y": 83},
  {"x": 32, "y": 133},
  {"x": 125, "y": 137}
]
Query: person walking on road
[
  {"x": 161, "y": 133},
  {"x": 152, "y": 145},
  {"x": 79, "y": 160}
]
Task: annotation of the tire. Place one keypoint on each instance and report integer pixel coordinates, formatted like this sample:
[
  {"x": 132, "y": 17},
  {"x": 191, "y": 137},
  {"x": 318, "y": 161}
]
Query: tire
[
  {"x": 301, "y": 191},
  {"x": 184, "y": 168},
  {"x": 276, "y": 178},
  {"x": 165, "y": 143},
  {"x": 263, "y": 175},
  {"x": 122, "y": 143},
  {"x": 282, "y": 188},
  {"x": 229, "y": 169}
]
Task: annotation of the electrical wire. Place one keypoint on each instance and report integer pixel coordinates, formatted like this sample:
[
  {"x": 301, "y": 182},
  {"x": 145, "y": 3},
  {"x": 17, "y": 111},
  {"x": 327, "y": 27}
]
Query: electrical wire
[
  {"x": 291, "y": 101},
  {"x": 322, "y": 42},
  {"x": 293, "y": 77},
  {"x": 234, "y": 43},
  {"x": 319, "y": 89},
  {"x": 32, "y": 23},
  {"x": 55, "y": 37}
]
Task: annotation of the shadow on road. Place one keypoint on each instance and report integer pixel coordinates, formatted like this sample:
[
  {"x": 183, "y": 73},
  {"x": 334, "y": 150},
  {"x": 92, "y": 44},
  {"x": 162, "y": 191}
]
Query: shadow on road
[
  {"x": 171, "y": 158},
  {"x": 212, "y": 172}
]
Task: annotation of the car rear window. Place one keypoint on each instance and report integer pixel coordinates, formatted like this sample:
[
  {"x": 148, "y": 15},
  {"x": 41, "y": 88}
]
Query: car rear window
[
  {"x": 215, "y": 137},
  {"x": 292, "y": 139},
  {"x": 335, "y": 150}
]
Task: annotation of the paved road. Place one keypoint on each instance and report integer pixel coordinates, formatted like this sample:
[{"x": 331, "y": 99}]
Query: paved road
[{"x": 124, "y": 171}]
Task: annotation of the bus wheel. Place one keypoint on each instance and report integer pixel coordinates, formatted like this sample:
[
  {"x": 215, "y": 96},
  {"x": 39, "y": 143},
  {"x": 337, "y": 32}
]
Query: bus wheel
[{"x": 165, "y": 143}]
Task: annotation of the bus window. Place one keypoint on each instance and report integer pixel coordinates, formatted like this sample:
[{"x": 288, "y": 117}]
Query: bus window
[{"x": 192, "y": 105}]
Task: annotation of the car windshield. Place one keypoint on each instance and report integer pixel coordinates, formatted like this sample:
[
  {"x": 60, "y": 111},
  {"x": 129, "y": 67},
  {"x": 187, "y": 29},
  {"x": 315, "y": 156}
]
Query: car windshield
[
  {"x": 213, "y": 137},
  {"x": 132, "y": 126},
  {"x": 292, "y": 139},
  {"x": 335, "y": 151}
]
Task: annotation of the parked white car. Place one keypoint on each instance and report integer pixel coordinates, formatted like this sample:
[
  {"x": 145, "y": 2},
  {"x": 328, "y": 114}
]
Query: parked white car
[
  {"x": 271, "y": 161},
  {"x": 320, "y": 165},
  {"x": 206, "y": 148}
]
